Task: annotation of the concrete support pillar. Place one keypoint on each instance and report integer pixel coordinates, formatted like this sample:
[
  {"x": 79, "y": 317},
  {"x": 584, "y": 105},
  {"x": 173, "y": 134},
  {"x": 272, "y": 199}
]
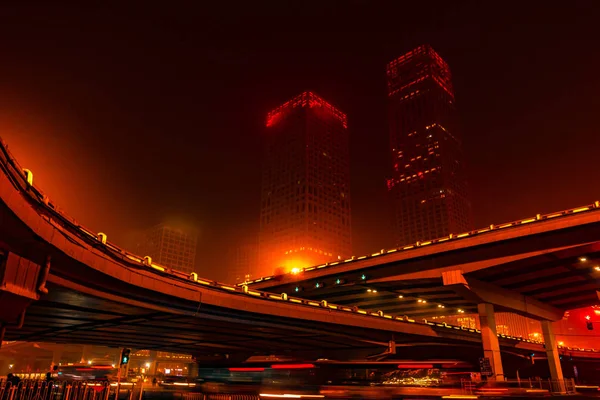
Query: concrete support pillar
[
  {"x": 553, "y": 356},
  {"x": 489, "y": 338}
]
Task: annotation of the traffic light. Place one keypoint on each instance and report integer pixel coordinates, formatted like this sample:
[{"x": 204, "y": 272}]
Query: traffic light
[{"x": 125, "y": 356}]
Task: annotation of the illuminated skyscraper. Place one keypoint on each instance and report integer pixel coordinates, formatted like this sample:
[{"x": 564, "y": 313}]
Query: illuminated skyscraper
[
  {"x": 170, "y": 246},
  {"x": 428, "y": 185},
  {"x": 305, "y": 201}
]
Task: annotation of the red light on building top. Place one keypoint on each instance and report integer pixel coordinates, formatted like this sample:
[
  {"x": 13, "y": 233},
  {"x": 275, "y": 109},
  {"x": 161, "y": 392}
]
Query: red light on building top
[
  {"x": 435, "y": 69},
  {"x": 306, "y": 99}
]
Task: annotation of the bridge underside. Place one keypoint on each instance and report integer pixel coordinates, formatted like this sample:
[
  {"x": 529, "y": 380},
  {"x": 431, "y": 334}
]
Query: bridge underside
[{"x": 66, "y": 316}]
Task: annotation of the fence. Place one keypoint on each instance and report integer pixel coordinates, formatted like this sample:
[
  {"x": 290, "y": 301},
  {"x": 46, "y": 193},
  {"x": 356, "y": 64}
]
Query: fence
[{"x": 42, "y": 390}]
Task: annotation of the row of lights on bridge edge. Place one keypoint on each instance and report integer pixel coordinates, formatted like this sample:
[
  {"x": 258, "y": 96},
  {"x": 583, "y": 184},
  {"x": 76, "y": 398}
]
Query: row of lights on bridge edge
[
  {"x": 492, "y": 227},
  {"x": 148, "y": 261}
]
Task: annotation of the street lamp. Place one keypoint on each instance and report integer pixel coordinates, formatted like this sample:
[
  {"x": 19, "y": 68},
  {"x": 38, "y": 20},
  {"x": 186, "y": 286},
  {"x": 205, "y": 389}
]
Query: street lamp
[{"x": 147, "y": 365}]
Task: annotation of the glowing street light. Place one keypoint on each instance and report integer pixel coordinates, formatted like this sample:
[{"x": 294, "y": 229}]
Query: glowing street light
[{"x": 147, "y": 365}]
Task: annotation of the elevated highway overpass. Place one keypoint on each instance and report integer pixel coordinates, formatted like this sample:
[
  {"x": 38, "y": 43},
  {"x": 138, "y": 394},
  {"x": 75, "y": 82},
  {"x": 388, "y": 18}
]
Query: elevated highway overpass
[
  {"x": 63, "y": 283},
  {"x": 538, "y": 267}
]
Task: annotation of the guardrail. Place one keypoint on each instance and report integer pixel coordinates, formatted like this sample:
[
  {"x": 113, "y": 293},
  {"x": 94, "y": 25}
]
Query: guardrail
[
  {"x": 23, "y": 181},
  {"x": 42, "y": 390}
]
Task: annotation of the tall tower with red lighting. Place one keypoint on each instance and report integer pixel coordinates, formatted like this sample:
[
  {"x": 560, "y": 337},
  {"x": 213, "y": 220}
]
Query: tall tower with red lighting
[
  {"x": 428, "y": 185},
  {"x": 305, "y": 201}
]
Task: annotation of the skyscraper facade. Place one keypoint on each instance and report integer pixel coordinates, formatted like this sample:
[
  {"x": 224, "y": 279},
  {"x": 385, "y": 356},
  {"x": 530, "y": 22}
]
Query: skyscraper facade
[
  {"x": 170, "y": 246},
  {"x": 305, "y": 200},
  {"x": 428, "y": 185}
]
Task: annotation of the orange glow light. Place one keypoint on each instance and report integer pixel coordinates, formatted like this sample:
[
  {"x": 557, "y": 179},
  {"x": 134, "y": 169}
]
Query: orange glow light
[{"x": 294, "y": 266}]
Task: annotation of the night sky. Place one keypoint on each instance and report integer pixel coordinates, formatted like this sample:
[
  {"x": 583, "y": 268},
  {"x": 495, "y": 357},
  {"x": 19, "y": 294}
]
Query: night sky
[{"x": 129, "y": 116}]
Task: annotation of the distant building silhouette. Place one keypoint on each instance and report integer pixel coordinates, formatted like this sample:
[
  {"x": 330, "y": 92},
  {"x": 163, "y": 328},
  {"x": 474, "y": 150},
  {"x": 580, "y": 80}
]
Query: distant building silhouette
[
  {"x": 171, "y": 246},
  {"x": 428, "y": 185},
  {"x": 305, "y": 209},
  {"x": 244, "y": 263}
]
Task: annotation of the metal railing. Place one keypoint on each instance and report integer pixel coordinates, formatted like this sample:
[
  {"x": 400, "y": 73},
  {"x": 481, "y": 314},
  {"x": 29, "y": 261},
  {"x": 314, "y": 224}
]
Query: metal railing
[
  {"x": 42, "y": 390},
  {"x": 93, "y": 390}
]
